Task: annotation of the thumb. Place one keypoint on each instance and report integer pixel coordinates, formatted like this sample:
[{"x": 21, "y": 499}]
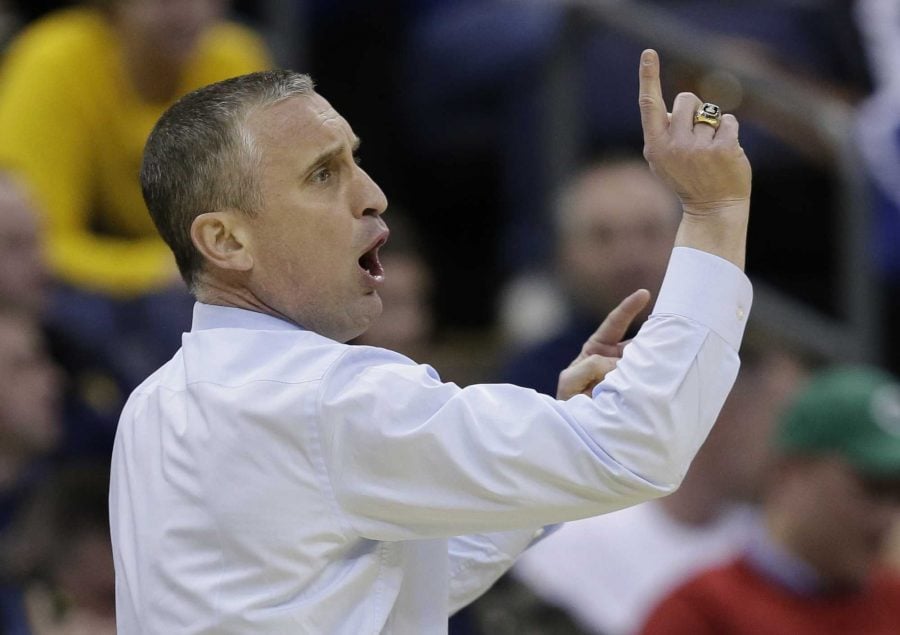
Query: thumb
[{"x": 582, "y": 375}]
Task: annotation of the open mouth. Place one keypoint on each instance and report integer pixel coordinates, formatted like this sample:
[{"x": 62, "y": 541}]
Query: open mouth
[{"x": 369, "y": 261}]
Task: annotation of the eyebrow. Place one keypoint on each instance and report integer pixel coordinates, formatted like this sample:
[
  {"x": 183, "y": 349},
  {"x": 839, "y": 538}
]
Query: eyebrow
[{"x": 329, "y": 154}]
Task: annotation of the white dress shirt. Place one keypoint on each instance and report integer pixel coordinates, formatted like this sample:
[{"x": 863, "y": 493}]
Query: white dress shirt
[{"x": 270, "y": 480}]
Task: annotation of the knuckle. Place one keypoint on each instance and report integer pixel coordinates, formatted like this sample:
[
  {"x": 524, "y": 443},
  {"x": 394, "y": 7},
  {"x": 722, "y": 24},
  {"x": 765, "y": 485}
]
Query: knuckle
[
  {"x": 646, "y": 101},
  {"x": 687, "y": 96}
]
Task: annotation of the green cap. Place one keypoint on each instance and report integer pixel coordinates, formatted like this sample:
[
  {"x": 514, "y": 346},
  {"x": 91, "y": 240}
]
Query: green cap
[{"x": 850, "y": 411}]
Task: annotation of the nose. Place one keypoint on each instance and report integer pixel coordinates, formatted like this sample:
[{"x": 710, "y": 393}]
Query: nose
[{"x": 371, "y": 200}]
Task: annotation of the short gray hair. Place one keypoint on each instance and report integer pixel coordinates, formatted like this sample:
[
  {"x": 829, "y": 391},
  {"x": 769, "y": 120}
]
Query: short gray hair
[{"x": 199, "y": 157}]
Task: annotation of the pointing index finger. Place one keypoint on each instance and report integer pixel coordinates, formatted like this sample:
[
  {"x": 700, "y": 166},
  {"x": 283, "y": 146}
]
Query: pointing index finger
[
  {"x": 654, "y": 119},
  {"x": 606, "y": 339}
]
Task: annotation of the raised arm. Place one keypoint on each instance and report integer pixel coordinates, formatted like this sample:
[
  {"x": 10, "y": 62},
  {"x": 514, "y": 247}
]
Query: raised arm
[{"x": 410, "y": 457}]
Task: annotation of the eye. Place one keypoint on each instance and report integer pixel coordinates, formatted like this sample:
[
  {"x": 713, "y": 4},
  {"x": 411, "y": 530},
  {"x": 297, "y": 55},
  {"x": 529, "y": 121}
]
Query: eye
[{"x": 322, "y": 175}]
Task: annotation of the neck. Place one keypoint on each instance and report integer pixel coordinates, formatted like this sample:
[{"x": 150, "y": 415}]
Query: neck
[
  {"x": 815, "y": 555},
  {"x": 214, "y": 292}
]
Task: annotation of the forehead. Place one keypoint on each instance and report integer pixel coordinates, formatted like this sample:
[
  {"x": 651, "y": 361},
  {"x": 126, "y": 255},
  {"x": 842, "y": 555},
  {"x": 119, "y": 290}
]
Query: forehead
[
  {"x": 303, "y": 125},
  {"x": 621, "y": 195}
]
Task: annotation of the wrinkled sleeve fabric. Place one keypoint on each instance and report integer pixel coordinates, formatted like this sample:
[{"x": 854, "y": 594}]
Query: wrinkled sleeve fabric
[
  {"x": 409, "y": 456},
  {"x": 478, "y": 560}
]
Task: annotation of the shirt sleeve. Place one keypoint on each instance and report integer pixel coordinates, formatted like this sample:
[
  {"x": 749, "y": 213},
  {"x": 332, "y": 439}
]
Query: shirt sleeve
[
  {"x": 477, "y": 561},
  {"x": 409, "y": 456}
]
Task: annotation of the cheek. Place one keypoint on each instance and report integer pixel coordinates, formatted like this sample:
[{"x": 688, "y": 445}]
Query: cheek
[
  {"x": 321, "y": 265},
  {"x": 592, "y": 260},
  {"x": 851, "y": 517}
]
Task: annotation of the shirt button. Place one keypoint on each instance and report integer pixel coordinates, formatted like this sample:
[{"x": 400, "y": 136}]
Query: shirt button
[{"x": 741, "y": 314}]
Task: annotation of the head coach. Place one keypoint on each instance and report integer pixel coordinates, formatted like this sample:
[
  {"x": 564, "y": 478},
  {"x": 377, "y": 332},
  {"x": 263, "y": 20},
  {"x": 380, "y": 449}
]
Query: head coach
[{"x": 272, "y": 479}]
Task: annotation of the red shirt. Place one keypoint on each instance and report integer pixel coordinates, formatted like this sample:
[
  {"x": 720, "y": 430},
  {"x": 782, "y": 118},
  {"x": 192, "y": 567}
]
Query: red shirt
[{"x": 736, "y": 599}]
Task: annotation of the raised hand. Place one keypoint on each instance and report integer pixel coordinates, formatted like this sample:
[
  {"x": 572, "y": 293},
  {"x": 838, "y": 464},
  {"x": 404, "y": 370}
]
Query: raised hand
[{"x": 706, "y": 167}]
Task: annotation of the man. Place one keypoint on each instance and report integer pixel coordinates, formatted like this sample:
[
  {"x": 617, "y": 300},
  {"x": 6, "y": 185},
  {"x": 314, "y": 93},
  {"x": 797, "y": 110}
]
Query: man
[
  {"x": 615, "y": 226},
  {"x": 829, "y": 507},
  {"x": 270, "y": 479}
]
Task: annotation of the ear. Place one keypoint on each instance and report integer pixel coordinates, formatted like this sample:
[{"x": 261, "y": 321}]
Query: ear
[{"x": 223, "y": 240}]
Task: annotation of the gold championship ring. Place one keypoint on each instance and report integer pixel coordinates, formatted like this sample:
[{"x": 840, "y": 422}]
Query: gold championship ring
[{"x": 710, "y": 114}]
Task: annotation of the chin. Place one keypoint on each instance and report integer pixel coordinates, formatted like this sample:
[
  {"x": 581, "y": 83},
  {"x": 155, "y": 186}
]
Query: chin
[
  {"x": 360, "y": 326},
  {"x": 373, "y": 312}
]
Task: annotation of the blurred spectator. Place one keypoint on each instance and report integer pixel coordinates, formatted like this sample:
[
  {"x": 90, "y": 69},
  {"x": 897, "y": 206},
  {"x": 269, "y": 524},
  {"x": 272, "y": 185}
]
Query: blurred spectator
[
  {"x": 509, "y": 94},
  {"x": 615, "y": 227},
  {"x": 478, "y": 115},
  {"x": 79, "y": 91},
  {"x": 92, "y": 397},
  {"x": 24, "y": 278},
  {"x": 29, "y": 415},
  {"x": 828, "y": 505},
  {"x": 60, "y": 558},
  {"x": 610, "y": 570}
]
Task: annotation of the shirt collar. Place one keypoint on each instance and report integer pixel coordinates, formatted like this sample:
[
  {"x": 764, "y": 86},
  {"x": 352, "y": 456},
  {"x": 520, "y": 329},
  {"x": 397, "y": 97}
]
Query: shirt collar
[{"x": 211, "y": 316}]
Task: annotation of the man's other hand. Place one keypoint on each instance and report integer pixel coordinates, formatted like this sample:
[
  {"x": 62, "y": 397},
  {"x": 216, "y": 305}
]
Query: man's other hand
[{"x": 602, "y": 350}]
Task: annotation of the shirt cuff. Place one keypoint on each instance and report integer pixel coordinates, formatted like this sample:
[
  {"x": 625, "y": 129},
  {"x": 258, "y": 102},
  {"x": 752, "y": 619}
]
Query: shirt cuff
[{"x": 707, "y": 289}]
